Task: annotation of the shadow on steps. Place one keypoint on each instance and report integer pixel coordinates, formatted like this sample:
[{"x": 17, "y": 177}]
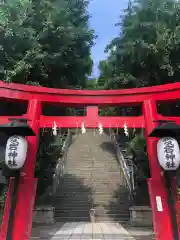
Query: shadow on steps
[
  {"x": 73, "y": 199},
  {"x": 118, "y": 207},
  {"x": 108, "y": 147}
]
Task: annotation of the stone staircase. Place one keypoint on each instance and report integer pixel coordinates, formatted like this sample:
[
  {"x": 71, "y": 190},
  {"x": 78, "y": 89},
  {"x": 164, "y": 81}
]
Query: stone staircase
[{"x": 91, "y": 180}]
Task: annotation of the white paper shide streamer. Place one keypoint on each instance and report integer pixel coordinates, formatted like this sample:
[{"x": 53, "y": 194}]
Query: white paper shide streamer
[
  {"x": 54, "y": 129},
  {"x": 83, "y": 129},
  {"x": 126, "y": 130},
  {"x": 100, "y": 127}
]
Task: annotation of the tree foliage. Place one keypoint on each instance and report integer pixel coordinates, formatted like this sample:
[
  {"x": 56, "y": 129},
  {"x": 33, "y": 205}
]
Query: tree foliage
[
  {"x": 91, "y": 84},
  {"x": 144, "y": 54},
  {"x": 45, "y": 42},
  {"x": 50, "y": 148},
  {"x": 146, "y": 51}
]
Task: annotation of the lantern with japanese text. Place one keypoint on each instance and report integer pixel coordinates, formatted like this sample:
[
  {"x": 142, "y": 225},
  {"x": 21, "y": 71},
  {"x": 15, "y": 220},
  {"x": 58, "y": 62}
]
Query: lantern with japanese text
[
  {"x": 168, "y": 153},
  {"x": 16, "y": 151}
]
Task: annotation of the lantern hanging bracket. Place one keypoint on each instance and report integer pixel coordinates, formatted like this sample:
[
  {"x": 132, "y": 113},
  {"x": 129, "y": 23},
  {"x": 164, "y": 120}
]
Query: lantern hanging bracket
[
  {"x": 17, "y": 126},
  {"x": 166, "y": 128},
  {"x": 164, "y": 121}
]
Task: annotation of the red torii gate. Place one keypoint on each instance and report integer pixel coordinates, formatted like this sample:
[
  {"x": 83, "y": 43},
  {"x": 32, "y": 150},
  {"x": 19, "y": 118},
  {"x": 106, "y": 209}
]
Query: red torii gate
[{"x": 148, "y": 97}]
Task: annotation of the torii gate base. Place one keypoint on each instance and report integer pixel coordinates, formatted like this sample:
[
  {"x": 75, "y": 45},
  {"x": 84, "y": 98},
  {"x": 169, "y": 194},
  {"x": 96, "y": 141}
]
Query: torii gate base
[{"x": 36, "y": 96}]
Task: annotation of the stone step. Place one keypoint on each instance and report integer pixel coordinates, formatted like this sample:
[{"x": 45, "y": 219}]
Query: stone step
[
  {"x": 101, "y": 176},
  {"x": 92, "y": 166},
  {"x": 61, "y": 201},
  {"x": 90, "y": 196},
  {"x": 96, "y": 216},
  {"x": 97, "y": 192},
  {"x": 87, "y": 180},
  {"x": 90, "y": 155},
  {"x": 73, "y": 211},
  {"x": 87, "y": 209},
  {"x": 111, "y": 218},
  {"x": 72, "y": 215},
  {"x": 89, "y": 186},
  {"x": 98, "y": 209},
  {"x": 93, "y": 193},
  {"x": 102, "y": 203},
  {"x": 105, "y": 177},
  {"x": 74, "y": 171},
  {"x": 91, "y": 162},
  {"x": 78, "y": 214},
  {"x": 96, "y": 169},
  {"x": 72, "y": 206},
  {"x": 112, "y": 200},
  {"x": 83, "y": 174},
  {"x": 77, "y": 192},
  {"x": 82, "y": 179},
  {"x": 96, "y": 200},
  {"x": 72, "y": 219},
  {"x": 90, "y": 172},
  {"x": 108, "y": 177}
]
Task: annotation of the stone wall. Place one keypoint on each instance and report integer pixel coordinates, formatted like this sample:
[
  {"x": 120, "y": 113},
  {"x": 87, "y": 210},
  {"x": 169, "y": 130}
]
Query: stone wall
[
  {"x": 141, "y": 216},
  {"x": 43, "y": 214}
]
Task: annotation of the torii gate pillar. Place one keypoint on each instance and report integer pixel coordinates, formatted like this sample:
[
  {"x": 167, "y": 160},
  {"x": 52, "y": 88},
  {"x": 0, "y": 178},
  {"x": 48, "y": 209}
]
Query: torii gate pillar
[
  {"x": 157, "y": 190},
  {"x": 22, "y": 223}
]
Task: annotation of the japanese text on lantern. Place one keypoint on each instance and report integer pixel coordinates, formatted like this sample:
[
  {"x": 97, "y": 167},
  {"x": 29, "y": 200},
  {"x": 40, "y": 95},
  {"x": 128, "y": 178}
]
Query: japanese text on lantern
[
  {"x": 14, "y": 143},
  {"x": 169, "y": 152}
]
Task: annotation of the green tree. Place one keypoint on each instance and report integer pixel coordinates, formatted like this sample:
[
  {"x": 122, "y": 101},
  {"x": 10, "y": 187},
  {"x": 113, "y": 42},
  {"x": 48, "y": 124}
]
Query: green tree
[
  {"x": 146, "y": 51},
  {"x": 91, "y": 83},
  {"x": 106, "y": 73},
  {"x": 45, "y": 42},
  {"x": 144, "y": 54}
]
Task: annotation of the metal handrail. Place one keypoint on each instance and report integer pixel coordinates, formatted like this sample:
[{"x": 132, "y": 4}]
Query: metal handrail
[
  {"x": 123, "y": 164},
  {"x": 124, "y": 167},
  {"x": 61, "y": 162}
]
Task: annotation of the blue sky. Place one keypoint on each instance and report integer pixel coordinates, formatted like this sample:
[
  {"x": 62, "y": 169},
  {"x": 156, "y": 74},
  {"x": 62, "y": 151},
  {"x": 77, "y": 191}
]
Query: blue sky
[{"x": 105, "y": 13}]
